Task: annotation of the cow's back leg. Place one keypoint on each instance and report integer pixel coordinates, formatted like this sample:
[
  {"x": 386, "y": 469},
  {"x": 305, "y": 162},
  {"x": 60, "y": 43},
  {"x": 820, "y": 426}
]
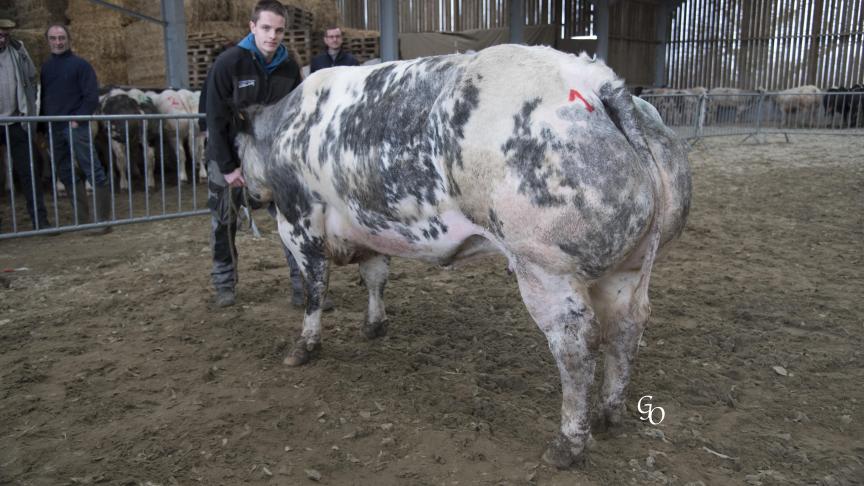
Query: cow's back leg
[
  {"x": 623, "y": 310},
  {"x": 375, "y": 271},
  {"x": 621, "y": 302},
  {"x": 565, "y": 316},
  {"x": 305, "y": 240}
]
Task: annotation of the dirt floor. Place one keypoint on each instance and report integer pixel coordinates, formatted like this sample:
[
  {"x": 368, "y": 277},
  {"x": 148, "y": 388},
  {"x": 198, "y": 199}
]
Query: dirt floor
[{"x": 116, "y": 369}]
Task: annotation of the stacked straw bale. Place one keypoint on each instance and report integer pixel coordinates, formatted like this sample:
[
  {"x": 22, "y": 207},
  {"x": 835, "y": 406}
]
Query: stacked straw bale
[
  {"x": 98, "y": 36},
  {"x": 38, "y": 14},
  {"x": 207, "y": 20},
  {"x": 129, "y": 51},
  {"x": 144, "y": 43},
  {"x": 34, "y": 41}
]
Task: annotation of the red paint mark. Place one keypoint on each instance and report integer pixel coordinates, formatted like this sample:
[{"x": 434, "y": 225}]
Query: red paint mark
[{"x": 575, "y": 94}]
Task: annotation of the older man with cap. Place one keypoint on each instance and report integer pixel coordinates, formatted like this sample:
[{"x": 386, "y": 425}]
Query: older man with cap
[{"x": 18, "y": 98}]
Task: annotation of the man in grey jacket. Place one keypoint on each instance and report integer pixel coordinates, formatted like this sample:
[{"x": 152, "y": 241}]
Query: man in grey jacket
[{"x": 18, "y": 98}]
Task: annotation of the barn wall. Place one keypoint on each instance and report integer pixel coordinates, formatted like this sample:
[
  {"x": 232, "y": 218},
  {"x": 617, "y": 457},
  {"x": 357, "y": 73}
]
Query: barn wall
[
  {"x": 438, "y": 16},
  {"x": 770, "y": 44},
  {"x": 633, "y": 40}
]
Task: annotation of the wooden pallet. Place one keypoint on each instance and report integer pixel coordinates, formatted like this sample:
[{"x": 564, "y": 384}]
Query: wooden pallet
[
  {"x": 299, "y": 41},
  {"x": 299, "y": 19},
  {"x": 363, "y": 48},
  {"x": 201, "y": 50}
]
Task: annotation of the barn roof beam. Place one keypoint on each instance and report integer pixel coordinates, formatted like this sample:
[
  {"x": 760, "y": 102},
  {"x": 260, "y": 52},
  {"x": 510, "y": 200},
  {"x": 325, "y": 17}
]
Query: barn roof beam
[{"x": 128, "y": 12}]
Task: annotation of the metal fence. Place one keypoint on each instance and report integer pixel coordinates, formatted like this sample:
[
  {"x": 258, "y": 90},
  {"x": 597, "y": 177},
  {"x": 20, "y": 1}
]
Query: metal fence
[
  {"x": 144, "y": 158},
  {"x": 707, "y": 115}
]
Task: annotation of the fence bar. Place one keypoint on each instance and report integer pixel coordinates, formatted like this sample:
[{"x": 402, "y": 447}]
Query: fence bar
[{"x": 10, "y": 178}]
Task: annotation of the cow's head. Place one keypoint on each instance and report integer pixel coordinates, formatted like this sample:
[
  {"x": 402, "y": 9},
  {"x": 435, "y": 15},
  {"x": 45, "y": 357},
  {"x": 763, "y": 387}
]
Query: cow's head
[
  {"x": 253, "y": 149},
  {"x": 122, "y": 104}
]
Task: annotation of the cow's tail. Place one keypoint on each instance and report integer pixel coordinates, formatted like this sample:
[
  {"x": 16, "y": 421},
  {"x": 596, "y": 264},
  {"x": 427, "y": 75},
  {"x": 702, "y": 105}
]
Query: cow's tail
[{"x": 621, "y": 109}]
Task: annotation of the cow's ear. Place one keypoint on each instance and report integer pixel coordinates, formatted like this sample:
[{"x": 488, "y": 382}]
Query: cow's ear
[{"x": 247, "y": 117}]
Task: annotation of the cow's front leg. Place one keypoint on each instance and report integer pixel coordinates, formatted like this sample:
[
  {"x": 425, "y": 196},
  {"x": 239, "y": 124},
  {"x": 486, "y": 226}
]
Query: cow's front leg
[
  {"x": 151, "y": 167},
  {"x": 374, "y": 272},
  {"x": 178, "y": 151},
  {"x": 200, "y": 142},
  {"x": 305, "y": 240},
  {"x": 121, "y": 162},
  {"x": 566, "y": 318}
]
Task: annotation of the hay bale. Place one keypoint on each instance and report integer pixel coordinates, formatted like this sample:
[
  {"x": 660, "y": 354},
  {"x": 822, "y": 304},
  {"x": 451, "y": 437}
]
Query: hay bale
[
  {"x": 94, "y": 45},
  {"x": 104, "y": 48},
  {"x": 34, "y": 41},
  {"x": 232, "y": 31},
  {"x": 195, "y": 10},
  {"x": 145, "y": 49},
  {"x": 98, "y": 36},
  {"x": 240, "y": 10},
  {"x": 84, "y": 12},
  {"x": 38, "y": 14},
  {"x": 324, "y": 11},
  {"x": 198, "y": 11},
  {"x": 302, "y": 14}
]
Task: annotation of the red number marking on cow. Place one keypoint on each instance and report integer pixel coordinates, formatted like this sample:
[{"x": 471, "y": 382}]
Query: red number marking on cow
[{"x": 575, "y": 94}]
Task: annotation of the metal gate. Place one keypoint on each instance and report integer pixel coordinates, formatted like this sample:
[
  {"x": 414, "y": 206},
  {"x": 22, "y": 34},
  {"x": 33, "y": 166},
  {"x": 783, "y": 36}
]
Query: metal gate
[
  {"x": 754, "y": 113},
  {"x": 151, "y": 166}
]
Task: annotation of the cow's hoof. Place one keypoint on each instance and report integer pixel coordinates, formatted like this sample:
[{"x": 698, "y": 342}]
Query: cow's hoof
[
  {"x": 302, "y": 353},
  {"x": 373, "y": 330},
  {"x": 562, "y": 453},
  {"x": 610, "y": 419}
]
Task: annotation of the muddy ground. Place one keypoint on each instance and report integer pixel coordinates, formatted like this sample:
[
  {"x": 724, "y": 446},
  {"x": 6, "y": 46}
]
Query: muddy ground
[{"x": 116, "y": 369}]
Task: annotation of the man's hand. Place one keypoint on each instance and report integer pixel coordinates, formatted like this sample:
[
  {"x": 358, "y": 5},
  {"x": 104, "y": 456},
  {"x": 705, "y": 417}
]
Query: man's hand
[{"x": 235, "y": 178}]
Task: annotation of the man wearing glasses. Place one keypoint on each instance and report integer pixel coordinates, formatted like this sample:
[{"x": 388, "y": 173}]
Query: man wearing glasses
[{"x": 335, "y": 55}]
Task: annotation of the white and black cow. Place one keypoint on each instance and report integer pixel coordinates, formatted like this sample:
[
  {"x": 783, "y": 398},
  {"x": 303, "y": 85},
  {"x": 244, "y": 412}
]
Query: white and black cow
[
  {"x": 525, "y": 151},
  {"x": 143, "y": 135},
  {"x": 183, "y": 132}
]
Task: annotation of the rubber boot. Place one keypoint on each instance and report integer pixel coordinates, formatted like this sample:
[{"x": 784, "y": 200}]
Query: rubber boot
[
  {"x": 103, "y": 209},
  {"x": 79, "y": 203}
]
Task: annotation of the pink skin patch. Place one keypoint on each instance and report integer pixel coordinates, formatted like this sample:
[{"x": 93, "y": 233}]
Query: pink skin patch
[{"x": 575, "y": 94}]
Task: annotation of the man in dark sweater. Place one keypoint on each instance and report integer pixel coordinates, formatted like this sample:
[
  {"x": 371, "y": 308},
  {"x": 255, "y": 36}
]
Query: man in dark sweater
[
  {"x": 257, "y": 71},
  {"x": 69, "y": 87},
  {"x": 334, "y": 56}
]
